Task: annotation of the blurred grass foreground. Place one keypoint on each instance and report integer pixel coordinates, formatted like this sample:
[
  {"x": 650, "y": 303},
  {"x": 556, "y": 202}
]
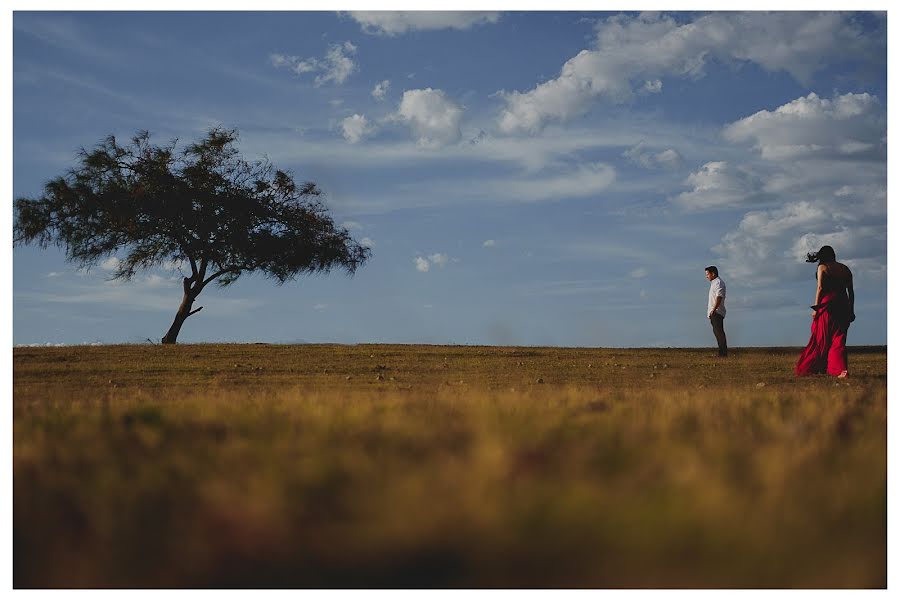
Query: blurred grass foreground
[{"x": 428, "y": 466}]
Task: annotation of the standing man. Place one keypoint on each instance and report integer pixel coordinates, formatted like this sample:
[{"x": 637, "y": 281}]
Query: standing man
[{"x": 715, "y": 309}]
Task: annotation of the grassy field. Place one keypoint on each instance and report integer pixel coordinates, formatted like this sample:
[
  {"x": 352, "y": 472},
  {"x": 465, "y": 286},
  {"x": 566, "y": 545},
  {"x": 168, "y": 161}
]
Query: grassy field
[{"x": 435, "y": 466}]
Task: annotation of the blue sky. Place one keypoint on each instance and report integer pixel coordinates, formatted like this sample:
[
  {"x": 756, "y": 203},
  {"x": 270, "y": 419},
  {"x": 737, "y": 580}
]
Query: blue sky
[{"x": 522, "y": 178}]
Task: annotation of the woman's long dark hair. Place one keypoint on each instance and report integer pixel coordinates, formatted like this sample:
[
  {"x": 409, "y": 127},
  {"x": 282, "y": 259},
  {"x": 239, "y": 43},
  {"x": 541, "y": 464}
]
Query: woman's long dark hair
[{"x": 824, "y": 255}]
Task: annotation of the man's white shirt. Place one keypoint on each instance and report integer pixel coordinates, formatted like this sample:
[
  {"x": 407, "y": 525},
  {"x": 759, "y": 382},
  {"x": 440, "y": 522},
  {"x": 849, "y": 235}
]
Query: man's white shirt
[{"x": 716, "y": 288}]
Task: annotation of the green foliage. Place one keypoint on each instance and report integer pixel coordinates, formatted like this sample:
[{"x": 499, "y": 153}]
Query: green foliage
[{"x": 203, "y": 205}]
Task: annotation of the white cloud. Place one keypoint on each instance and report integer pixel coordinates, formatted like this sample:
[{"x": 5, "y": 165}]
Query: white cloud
[
  {"x": 639, "y": 273},
  {"x": 154, "y": 280},
  {"x": 380, "y": 90},
  {"x": 336, "y": 66},
  {"x": 110, "y": 264},
  {"x": 439, "y": 259},
  {"x": 830, "y": 174},
  {"x": 720, "y": 185},
  {"x": 583, "y": 181},
  {"x": 148, "y": 293},
  {"x": 179, "y": 266},
  {"x": 352, "y": 225},
  {"x": 851, "y": 126},
  {"x": 432, "y": 116},
  {"x": 54, "y": 274},
  {"x": 784, "y": 235},
  {"x": 635, "y": 52},
  {"x": 555, "y": 148},
  {"x": 489, "y": 243},
  {"x": 367, "y": 242},
  {"x": 393, "y": 23},
  {"x": 652, "y": 86},
  {"x": 356, "y": 128},
  {"x": 641, "y": 155},
  {"x": 320, "y": 307}
]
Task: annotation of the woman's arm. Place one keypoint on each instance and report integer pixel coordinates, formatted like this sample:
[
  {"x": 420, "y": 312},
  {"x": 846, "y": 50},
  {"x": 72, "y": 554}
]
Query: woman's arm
[
  {"x": 819, "y": 274},
  {"x": 850, "y": 294}
]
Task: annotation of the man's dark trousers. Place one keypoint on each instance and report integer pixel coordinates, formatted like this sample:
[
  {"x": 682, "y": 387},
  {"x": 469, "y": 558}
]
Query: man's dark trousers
[{"x": 718, "y": 324}]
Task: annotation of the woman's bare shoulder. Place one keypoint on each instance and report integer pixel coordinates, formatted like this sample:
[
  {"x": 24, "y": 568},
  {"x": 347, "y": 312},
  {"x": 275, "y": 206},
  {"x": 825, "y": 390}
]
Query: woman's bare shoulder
[{"x": 837, "y": 269}]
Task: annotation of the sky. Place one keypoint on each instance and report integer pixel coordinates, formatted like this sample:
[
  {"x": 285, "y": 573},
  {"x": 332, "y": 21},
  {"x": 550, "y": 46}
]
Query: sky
[{"x": 522, "y": 178}]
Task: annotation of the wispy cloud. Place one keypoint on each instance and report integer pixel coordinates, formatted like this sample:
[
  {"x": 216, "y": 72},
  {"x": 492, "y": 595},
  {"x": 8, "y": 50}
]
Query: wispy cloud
[
  {"x": 380, "y": 90},
  {"x": 720, "y": 185},
  {"x": 65, "y": 33},
  {"x": 335, "y": 67},
  {"x": 391, "y": 23},
  {"x": 642, "y": 155}
]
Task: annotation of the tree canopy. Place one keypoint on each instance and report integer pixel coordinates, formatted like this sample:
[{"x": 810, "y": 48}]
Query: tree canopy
[{"x": 204, "y": 206}]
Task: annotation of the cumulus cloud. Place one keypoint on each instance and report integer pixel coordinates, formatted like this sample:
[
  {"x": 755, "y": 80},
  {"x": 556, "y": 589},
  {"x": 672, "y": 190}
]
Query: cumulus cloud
[
  {"x": 829, "y": 158},
  {"x": 784, "y": 235},
  {"x": 489, "y": 243},
  {"x": 433, "y": 117},
  {"x": 335, "y": 67},
  {"x": 852, "y": 218},
  {"x": 355, "y": 128},
  {"x": 849, "y": 126},
  {"x": 394, "y": 23},
  {"x": 633, "y": 53},
  {"x": 718, "y": 185},
  {"x": 438, "y": 259},
  {"x": 639, "y": 273},
  {"x": 641, "y": 155},
  {"x": 380, "y": 90}
]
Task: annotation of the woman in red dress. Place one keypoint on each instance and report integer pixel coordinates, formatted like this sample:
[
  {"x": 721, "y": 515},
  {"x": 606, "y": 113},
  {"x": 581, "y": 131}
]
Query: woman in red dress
[{"x": 832, "y": 315}]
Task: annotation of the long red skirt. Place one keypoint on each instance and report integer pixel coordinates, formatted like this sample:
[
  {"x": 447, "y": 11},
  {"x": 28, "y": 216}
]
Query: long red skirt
[{"x": 827, "y": 348}]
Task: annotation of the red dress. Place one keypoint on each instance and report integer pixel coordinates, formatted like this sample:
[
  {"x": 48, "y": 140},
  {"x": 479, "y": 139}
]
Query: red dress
[{"x": 827, "y": 348}]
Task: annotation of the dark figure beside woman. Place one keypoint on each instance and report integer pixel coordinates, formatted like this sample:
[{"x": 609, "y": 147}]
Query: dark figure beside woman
[{"x": 832, "y": 315}]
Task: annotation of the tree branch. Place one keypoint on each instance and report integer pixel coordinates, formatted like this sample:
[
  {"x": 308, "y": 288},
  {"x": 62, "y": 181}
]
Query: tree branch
[
  {"x": 217, "y": 274},
  {"x": 193, "y": 267},
  {"x": 196, "y": 310}
]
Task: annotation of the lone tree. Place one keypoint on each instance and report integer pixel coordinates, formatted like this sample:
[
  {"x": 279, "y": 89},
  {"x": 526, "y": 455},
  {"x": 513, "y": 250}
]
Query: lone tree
[{"x": 204, "y": 206}]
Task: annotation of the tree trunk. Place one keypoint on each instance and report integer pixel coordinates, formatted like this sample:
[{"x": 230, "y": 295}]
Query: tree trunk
[{"x": 184, "y": 311}]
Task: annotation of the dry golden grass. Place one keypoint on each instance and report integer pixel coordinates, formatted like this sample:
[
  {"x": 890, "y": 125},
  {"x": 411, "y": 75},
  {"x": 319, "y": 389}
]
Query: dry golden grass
[{"x": 430, "y": 466}]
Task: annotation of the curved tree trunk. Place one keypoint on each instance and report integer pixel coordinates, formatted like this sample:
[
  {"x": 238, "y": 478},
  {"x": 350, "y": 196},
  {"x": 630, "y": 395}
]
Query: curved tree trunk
[{"x": 184, "y": 311}]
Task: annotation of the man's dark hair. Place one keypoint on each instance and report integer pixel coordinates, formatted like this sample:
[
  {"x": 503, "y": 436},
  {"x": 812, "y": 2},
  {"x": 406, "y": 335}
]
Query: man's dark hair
[{"x": 713, "y": 270}]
